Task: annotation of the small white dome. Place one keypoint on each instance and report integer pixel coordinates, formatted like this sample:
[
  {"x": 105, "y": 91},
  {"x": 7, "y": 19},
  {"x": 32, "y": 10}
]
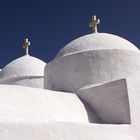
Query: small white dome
[
  {"x": 96, "y": 41},
  {"x": 23, "y": 66}
]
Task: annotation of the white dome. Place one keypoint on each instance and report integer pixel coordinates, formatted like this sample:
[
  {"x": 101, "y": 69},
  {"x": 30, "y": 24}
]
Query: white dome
[
  {"x": 96, "y": 41},
  {"x": 23, "y": 66}
]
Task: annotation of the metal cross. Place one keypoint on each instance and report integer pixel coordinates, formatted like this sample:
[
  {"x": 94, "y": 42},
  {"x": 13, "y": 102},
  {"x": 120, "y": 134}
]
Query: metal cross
[
  {"x": 26, "y": 45},
  {"x": 94, "y": 24}
]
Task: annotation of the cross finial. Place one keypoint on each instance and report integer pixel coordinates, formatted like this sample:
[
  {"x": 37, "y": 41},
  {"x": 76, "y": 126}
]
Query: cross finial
[
  {"x": 26, "y": 45},
  {"x": 94, "y": 24}
]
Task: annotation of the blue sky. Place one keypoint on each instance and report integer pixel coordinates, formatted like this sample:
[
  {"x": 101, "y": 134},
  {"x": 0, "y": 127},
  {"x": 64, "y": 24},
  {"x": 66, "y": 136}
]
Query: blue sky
[{"x": 51, "y": 24}]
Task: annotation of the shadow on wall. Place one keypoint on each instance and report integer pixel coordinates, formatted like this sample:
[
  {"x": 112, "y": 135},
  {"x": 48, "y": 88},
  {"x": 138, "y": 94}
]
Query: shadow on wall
[
  {"x": 107, "y": 103},
  {"x": 92, "y": 116}
]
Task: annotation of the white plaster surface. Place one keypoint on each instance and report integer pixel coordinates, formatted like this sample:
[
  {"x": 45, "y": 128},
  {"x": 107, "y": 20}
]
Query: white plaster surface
[
  {"x": 25, "y": 114},
  {"x": 96, "y": 41},
  {"x": 23, "y": 66},
  {"x": 35, "y": 114},
  {"x": 72, "y": 72},
  {"x": 29, "y": 81},
  {"x": 109, "y": 101},
  {"x": 87, "y": 63},
  {"x": 25, "y": 105},
  {"x": 133, "y": 86},
  {"x": 118, "y": 89},
  {"x": 66, "y": 131}
]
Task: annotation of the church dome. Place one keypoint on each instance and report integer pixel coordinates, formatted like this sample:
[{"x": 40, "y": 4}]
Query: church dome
[
  {"x": 96, "y": 41},
  {"x": 23, "y": 66},
  {"x": 92, "y": 59}
]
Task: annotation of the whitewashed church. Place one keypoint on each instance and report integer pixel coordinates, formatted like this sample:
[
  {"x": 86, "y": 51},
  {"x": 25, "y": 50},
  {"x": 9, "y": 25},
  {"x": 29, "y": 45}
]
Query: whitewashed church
[{"x": 90, "y": 91}]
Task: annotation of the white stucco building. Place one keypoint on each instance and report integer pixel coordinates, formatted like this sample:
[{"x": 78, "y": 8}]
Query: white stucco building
[
  {"x": 90, "y": 91},
  {"x": 26, "y": 71}
]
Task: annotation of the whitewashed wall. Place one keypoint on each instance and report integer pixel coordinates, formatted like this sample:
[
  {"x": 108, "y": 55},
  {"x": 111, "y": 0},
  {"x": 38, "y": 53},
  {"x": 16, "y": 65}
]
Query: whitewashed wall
[
  {"x": 29, "y": 81},
  {"x": 72, "y": 72}
]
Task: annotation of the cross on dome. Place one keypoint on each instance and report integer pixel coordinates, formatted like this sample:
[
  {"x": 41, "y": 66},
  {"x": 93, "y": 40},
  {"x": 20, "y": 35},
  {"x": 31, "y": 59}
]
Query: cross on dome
[
  {"x": 94, "y": 24},
  {"x": 26, "y": 45}
]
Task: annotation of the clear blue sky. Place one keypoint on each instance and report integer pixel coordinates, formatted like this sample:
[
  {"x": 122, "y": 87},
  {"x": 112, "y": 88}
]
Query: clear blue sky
[{"x": 51, "y": 24}]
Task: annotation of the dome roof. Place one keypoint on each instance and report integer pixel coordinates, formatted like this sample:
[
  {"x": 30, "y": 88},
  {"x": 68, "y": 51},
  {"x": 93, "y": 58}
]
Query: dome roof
[
  {"x": 23, "y": 66},
  {"x": 96, "y": 41}
]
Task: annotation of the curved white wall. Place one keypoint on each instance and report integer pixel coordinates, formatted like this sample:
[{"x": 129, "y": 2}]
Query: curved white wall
[
  {"x": 96, "y": 41},
  {"x": 24, "y": 104},
  {"x": 69, "y": 73},
  {"x": 29, "y": 81}
]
